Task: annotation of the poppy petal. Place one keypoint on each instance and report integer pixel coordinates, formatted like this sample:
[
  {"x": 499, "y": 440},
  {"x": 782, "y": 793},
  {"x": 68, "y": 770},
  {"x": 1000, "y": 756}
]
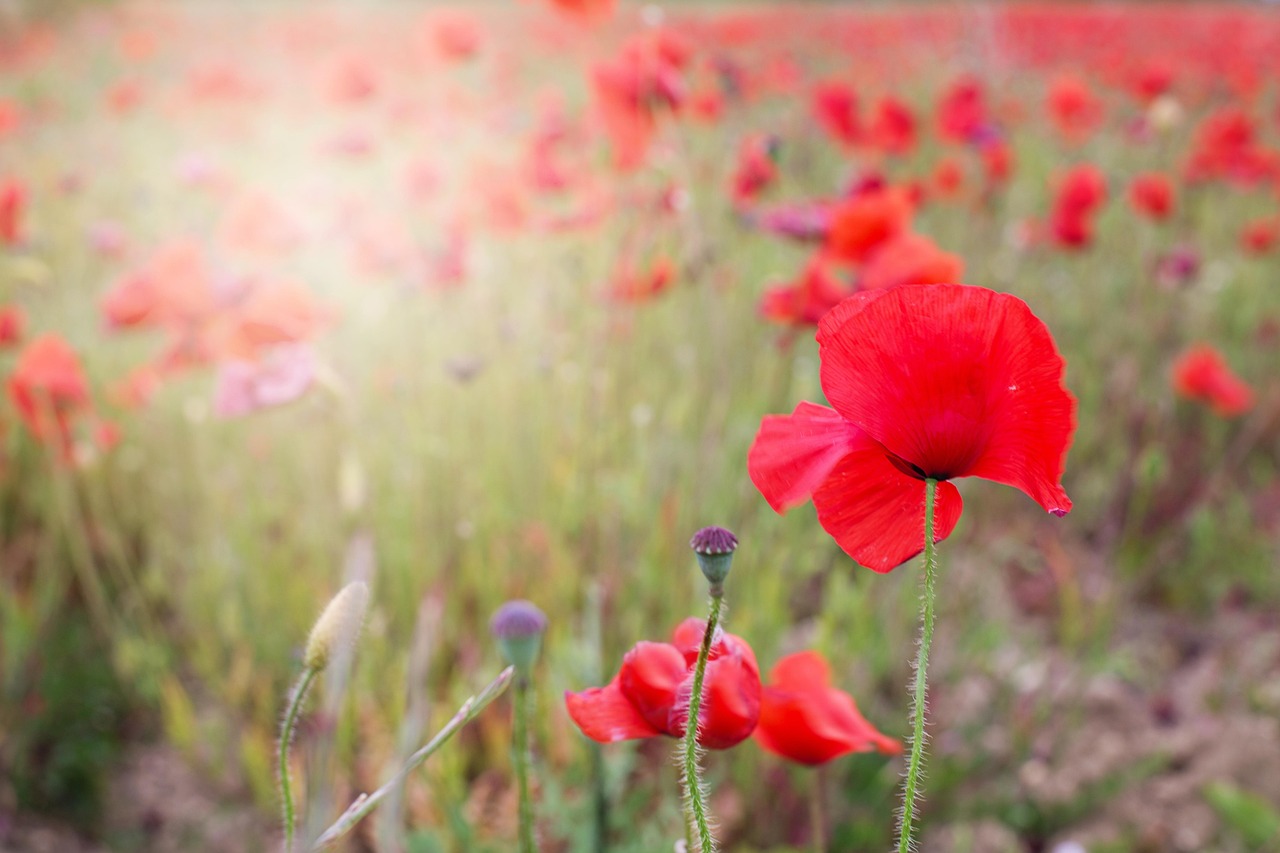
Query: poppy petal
[
  {"x": 815, "y": 726},
  {"x": 800, "y": 670},
  {"x": 731, "y": 700},
  {"x": 875, "y": 512},
  {"x": 793, "y": 454},
  {"x": 650, "y": 677},
  {"x": 956, "y": 380},
  {"x": 604, "y": 715}
]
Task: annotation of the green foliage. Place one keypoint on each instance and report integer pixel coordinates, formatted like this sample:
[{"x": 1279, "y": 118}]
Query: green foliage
[
  {"x": 66, "y": 727},
  {"x": 1255, "y": 820}
]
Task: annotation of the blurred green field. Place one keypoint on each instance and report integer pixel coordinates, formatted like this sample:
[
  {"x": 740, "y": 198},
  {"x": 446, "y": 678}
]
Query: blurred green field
[{"x": 522, "y": 436}]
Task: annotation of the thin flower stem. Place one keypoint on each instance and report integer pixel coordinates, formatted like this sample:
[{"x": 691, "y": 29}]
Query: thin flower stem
[
  {"x": 366, "y": 803},
  {"x": 521, "y": 737},
  {"x": 818, "y": 810},
  {"x": 696, "y": 805},
  {"x": 922, "y": 665},
  {"x": 287, "y": 728}
]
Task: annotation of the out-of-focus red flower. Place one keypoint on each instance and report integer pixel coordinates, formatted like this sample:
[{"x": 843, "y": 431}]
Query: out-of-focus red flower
[
  {"x": 962, "y": 112},
  {"x": 803, "y": 302},
  {"x": 909, "y": 259},
  {"x": 633, "y": 90},
  {"x": 932, "y": 381},
  {"x": 997, "y": 161},
  {"x": 13, "y": 205},
  {"x": 586, "y": 10},
  {"x": 1075, "y": 109},
  {"x": 631, "y": 285},
  {"x": 650, "y": 694},
  {"x": 1226, "y": 148},
  {"x": 756, "y": 168},
  {"x": 49, "y": 389},
  {"x": 1261, "y": 235},
  {"x": 860, "y": 224},
  {"x": 893, "y": 127},
  {"x": 835, "y": 106},
  {"x": 1201, "y": 374},
  {"x": 948, "y": 177},
  {"x": 173, "y": 289},
  {"x": 1080, "y": 192},
  {"x": 13, "y": 325},
  {"x": 457, "y": 36},
  {"x": 281, "y": 313},
  {"x": 806, "y": 720},
  {"x": 1151, "y": 195}
]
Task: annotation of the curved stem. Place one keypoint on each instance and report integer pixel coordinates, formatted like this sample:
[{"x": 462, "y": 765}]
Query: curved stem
[
  {"x": 299, "y": 695},
  {"x": 922, "y": 666},
  {"x": 520, "y": 735},
  {"x": 366, "y": 803},
  {"x": 696, "y": 804}
]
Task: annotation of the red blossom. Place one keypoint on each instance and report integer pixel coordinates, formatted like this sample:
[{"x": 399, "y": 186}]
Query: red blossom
[
  {"x": 650, "y": 694},
  {"x": 835, "y": 106},
  {"x": 1151, "y": 195},
  {"x": 803, "y": 302},
  {"x": 13, "y": 324},
  {"x": 910, "y": 259},
  {"x": 1201, "y": 374},
  {"x": 806, "y": 720},
  {"x": 932, "y": 381},
  {"x": 861, "y": 223},
  {"x": 49, "y": 389}
]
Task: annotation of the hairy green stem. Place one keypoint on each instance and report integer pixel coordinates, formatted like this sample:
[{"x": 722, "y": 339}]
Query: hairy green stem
[
  {"x": 696, "y": 805},
  {"x": 922, "y": 666},
  {"x": 520, "y": 736},
  {"x": 290, "y": 723}
]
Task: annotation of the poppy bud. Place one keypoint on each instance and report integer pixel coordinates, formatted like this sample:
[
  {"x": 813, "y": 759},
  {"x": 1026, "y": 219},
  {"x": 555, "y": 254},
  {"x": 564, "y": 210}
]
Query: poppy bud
[
  {"x": 714, "y": 547},
  {"x": 518, "y": 627},
  {"x": 338, "y": 626}
]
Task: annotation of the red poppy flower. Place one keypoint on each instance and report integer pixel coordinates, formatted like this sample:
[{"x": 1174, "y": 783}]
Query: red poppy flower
[
  {"x": 806, "y": 720},
  {"x": 631, "y": 285},
  {"x": 1075, "y": 109},
  {"x": 1151, "y": 194},
  {"x": 962, "y": 110},
  {"x": 835, "y": 106},
  {"x": 49, "y": 389},
  {"x": 756, "y": 168},
  {"x": 860, "y": 224},
  {"x": 1201, "y": 374},
  {"x": 1260, "y": 235},
  {"x": 927, "y": 381},
  {"x": 893, "y": 126},
  {"x": 13, "y": 323},
  {"x": 650, "y": 694},
  {"x": 804, "y": 301},
  {"x": 13, "y": 203},
  {"x": 910, "y": 259}
]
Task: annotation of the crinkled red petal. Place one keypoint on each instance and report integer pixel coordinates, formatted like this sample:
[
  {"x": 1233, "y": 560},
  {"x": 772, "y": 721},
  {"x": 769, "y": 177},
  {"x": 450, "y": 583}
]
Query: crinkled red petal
[
  {"x": 957, "y": 381},
  {"x": 875, "y": 512}
]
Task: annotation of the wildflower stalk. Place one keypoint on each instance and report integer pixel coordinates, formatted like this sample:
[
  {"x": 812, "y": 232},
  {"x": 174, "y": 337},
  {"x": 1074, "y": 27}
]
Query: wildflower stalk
[
  {"x": 922, "y": 665},
  {"x": 520, "y": 737},
  {"x": 818, "y": 810},
  {"x": 366, "y": 803},
  {"x": 297, "y": 697},
  {"x": 689, "y": 746}
]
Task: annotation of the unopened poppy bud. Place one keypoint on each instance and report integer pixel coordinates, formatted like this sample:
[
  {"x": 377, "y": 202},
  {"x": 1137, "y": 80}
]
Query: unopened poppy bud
[
  {"x": 518, "y": 627},
  {"x": 714, "y": 547},
  {"x": 338, "y": 626}
]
